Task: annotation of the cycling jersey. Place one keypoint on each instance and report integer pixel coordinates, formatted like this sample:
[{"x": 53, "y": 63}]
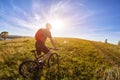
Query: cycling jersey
[{"x": 42, "y": 35}]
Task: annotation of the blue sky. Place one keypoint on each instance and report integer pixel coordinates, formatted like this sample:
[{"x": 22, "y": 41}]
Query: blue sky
[{"x": 86, "y": 19}]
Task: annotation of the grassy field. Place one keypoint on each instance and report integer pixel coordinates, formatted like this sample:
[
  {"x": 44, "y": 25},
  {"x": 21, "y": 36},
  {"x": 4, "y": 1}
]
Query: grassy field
[{"x": 79, "y": 59}]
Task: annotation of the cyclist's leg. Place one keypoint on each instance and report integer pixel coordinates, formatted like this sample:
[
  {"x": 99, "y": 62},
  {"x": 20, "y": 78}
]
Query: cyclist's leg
[
  {"x": 47, "y": 53},
  {"x": 46, "y": 56},
  {"x": 38, "y": 48}
]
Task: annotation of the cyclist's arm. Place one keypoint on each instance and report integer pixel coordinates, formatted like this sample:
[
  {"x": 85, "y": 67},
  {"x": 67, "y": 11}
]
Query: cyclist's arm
[{"x": 53, "y": 43}]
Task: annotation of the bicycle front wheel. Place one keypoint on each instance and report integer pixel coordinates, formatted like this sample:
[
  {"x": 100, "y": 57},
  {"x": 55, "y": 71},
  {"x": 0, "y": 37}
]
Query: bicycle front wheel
[
  {"x": 29, "y": 69},
  {"x": 53, "y": 67},
  {"x": 53, "y": 59}
]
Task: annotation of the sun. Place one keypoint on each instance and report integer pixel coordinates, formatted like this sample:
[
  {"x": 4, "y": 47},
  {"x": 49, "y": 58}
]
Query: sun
[{"x": 57, "y": 24}]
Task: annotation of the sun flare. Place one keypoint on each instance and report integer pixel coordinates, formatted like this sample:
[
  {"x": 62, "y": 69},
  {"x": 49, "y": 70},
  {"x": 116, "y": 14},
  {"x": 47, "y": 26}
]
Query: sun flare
[{"x": 57, "y": 24}]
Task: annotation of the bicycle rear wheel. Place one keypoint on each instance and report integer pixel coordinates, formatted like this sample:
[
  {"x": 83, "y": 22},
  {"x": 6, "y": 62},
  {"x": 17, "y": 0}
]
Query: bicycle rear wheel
[{"x": 29, "y": 69}]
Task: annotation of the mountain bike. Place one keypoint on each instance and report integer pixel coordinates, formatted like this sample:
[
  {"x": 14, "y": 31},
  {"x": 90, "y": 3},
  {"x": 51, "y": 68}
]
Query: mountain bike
[{"x": 30, "y": 68}]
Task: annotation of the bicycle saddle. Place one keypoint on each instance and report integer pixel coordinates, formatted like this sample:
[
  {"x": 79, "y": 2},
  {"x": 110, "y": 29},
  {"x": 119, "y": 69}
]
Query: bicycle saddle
[{"x": 33, "y": 51}]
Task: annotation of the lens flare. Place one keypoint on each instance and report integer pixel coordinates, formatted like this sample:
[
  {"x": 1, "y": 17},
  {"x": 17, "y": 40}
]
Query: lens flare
[{"x": 57, "y": 25}]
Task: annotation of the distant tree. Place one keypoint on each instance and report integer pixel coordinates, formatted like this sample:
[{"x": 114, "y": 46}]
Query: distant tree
[
  {"x": 106, "y": 41},
  {"x": 4, "y": 35},
  {"x": 118, "y": 43}
]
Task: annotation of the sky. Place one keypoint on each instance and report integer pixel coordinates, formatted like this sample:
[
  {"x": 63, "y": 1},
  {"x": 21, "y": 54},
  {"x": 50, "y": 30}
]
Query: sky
[{"x": 85, "y": 19}]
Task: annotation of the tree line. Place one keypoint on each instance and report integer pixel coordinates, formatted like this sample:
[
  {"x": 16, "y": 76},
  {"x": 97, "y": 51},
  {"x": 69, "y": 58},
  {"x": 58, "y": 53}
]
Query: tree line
[{"x": 4, "y": 35}]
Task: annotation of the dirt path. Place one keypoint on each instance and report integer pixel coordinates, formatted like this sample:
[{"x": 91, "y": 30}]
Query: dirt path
[{"x": 100, "y": 50}]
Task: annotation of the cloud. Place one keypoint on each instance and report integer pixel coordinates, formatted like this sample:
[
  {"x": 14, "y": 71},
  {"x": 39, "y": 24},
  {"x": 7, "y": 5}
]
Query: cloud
[
  {"x": 66, "y": 10},
  {"x": 41, "y": 12},
  {"x": 16, "y": 19}
]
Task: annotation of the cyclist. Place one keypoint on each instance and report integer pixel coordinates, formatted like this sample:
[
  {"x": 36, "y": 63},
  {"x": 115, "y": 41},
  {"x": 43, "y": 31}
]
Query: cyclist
[{"x": 41, "y": 36}]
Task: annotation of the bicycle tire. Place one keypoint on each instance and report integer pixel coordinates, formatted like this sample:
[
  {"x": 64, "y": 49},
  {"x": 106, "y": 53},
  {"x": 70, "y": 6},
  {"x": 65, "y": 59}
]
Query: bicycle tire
[
  {"x": 53, "y": 59},
  {"x": 28, "y": 69}
]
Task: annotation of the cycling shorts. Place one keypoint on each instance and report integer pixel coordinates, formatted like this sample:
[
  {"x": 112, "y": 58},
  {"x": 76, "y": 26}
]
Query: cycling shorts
[{"x": 40, "y": 47}]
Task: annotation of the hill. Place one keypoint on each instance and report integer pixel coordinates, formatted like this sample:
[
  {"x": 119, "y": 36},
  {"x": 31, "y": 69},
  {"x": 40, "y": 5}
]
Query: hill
[
  {"x": 79, "y": 59},
  {"x": 15, "y": 37}
]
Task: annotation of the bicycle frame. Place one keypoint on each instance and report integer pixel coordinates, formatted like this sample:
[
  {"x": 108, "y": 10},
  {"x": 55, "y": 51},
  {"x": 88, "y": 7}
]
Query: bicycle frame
[{"x": 32, "y": 67}]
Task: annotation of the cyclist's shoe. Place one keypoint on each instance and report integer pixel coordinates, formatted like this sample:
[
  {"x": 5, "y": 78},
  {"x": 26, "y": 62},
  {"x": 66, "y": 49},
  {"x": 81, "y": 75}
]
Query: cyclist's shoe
[
  {"x": 40, "y": 61},
  {"x": 41, "y": 64}
]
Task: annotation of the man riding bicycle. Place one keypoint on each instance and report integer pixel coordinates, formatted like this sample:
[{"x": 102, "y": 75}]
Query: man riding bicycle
[{"x": 41, "y": 36}]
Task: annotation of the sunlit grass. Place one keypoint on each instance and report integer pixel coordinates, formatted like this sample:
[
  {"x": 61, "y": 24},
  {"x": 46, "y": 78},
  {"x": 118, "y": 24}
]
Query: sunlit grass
[{"x": 79, "y": 59}]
